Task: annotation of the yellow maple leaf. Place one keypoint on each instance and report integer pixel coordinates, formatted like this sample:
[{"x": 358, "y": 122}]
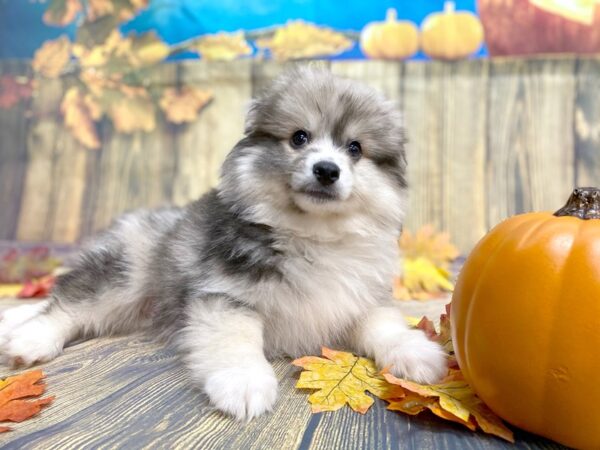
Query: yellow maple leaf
[
  {"x": 422, "y": 280},
  {"x": 414, "y": 404},
  {"x": 454, "y": 396},
  {"x": 99, "y": 8},
  {"x": 223, "y": 46},
  {"x": 299, "y": 39},
  {"x": 146, "y": 49},
  {"x": 61, "y": 12},
  {"x": 52, "y": 57},
  {"x": 182, "y": 105},
  {"x": 342, "y": 378},
  {"x": 426, "y": 243},
  {"x": 78, "y": 116},
  {"x": 131, "y": 114}
]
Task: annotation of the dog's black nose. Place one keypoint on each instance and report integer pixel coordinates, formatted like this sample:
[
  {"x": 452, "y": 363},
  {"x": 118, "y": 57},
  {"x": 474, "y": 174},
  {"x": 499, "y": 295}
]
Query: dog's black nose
[{"x": 326, "y": 172}]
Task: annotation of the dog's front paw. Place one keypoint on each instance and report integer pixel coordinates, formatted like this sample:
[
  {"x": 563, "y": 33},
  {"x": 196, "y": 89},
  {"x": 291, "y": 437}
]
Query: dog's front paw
[
  {"x": 414, "y": 357},
  {"x": 35, "y": 341},
  {"x": 243, "y": 392}
]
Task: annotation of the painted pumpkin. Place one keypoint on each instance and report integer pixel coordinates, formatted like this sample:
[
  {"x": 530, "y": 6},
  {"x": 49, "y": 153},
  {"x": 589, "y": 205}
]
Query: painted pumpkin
[
  {"x": 524, "y": 27},
  {"x": 451, "y": 34},
  {"x": 392, "y": 39},
  {"x": 526, "y": 321}
]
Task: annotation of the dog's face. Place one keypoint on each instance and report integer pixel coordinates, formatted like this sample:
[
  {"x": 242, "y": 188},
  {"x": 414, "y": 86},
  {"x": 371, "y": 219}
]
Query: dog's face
[{"x": 319, "y": 145}]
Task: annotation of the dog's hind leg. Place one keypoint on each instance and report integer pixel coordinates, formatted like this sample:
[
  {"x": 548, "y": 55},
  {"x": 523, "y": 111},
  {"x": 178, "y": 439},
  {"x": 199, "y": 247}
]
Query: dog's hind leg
[{"x": 105, "y": 293}]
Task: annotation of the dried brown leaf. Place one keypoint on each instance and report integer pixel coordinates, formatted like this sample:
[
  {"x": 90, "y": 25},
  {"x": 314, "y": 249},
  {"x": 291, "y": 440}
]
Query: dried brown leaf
[{"x": 52, "y": 57}]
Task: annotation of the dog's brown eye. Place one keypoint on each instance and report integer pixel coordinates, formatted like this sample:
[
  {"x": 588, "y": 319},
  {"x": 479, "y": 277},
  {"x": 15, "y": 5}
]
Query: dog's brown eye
[
  {"x": 299, "y": 138},
  {"x": 354, "y": 149}
]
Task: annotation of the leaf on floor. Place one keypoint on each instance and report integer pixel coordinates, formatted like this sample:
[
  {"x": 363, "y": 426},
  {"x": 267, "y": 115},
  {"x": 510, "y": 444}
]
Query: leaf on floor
[
  {"x": 443, "y": 337},
  {"x": 15, "y": 393},
  {"x": 18, "y": 266},
  {"x": 453, "y": 400},
  {"x": 39, "y": 288},
  {"x": 426, "y": 258},
  {"x": 341, "y": 378}
]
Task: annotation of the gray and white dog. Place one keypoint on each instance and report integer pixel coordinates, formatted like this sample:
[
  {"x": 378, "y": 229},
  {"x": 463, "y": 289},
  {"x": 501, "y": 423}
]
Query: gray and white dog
[{"x": 295, "y": 249}]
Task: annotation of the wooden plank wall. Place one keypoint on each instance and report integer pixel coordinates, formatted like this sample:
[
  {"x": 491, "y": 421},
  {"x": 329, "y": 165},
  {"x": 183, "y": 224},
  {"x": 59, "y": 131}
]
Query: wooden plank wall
[{"x": 488, "y": 139}]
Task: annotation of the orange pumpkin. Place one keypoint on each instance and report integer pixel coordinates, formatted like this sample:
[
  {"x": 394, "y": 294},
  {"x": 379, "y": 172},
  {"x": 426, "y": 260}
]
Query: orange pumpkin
[
  {"x": 451, "y": 34},
  {"x": 526, "y": 321},
  {"x": 523, "y": 27},
  {"x": 392, "y": 39}
]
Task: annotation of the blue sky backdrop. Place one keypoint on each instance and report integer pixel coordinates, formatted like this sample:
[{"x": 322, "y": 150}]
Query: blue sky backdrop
[{"x": 22, "y": 30}]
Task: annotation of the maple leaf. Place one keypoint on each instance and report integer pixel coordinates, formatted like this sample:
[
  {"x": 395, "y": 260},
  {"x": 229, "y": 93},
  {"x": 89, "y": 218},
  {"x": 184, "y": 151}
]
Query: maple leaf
[
  {"x": 182, "y": 105},
  {"x": 78, "y": 116},
  {"x": 456, "y": 400},
  {"x": 18, "y": 266},
  {"x": 39, "y": 288},
  {"x": 52, "y": 57},
  {"x": 223, "y": 46},
  {"x": 342, "y": 378},
  {"x": 133, "y": 113},
  {"x": 422, "y": 280},
  {"x": 299, "y": 39},
  {"x": 426, "y": 258},
  {"x": 61, "y": 12},
  {"x": 13, "y": 89},
  {"x": 146, "y": 49},
  {"x": 428, "y": 244},
  {"x": 13, "y": 393}
]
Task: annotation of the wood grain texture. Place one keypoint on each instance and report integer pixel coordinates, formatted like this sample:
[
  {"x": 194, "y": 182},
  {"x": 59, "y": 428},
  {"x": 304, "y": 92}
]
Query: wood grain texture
[
  {"x": 131, "y": 393},
  {"x": 587, "y": 124},
  {"x": 131, "y": 170},
  {"x": 446, "y": 120},
  {"x": 530, "y": 162},
  {"x": 487, "y": 139},
  {"x": 203, "y": 145},
  {"x": 55, "y": 178},
  {"x": 13, "y": 153}
]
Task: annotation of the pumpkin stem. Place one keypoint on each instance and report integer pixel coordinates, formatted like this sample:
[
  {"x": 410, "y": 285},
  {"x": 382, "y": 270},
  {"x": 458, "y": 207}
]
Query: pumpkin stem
[
  {"x": 449, "y": 7},
  {"x": 583, "y": 203},
  {"x": 391, "y": 15}
]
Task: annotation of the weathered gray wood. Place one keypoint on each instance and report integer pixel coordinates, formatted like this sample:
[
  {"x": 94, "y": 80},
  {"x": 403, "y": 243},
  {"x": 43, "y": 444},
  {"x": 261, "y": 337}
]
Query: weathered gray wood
[
  {"x": 587, "y": 123},
  {"x": 131, "y": 393},
  {"x": 131, "y": 170},
  {"x": 446, "y": 120},
  {"x": 203, "y": 144},
  {"x": 55, "y": 177},
  {"x": 487, "y": 139},
  {"x": 14, "y": 124},
  {"x": 530, "y": 164}
]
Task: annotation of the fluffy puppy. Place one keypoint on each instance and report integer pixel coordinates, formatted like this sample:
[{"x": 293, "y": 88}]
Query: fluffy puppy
[{"x": 294, "y": 250}]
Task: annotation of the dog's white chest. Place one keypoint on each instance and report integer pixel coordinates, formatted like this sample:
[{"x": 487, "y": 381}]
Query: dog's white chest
[{"x": 326, "y": 288}]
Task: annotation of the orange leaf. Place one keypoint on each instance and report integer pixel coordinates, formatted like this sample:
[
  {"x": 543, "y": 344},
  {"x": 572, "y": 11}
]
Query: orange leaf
[
  {"x": 13, "y": 393},
  {"x": 133, "y": 114},
  {"x": 455, "y": 396},
  {"x": 443, "y": 337},
  {"x": 61, "y": 12},
  {"x": 184, "y": 104},
  {"x": 52, "y": 57},
  {"x": 79, "y": 116},
  {"x": 37, "y": 288},
  {"x": 414, "y": 404}
]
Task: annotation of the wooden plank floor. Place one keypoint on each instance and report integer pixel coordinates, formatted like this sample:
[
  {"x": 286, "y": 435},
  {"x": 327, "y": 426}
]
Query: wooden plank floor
[{"x": 127, "y": 392}]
